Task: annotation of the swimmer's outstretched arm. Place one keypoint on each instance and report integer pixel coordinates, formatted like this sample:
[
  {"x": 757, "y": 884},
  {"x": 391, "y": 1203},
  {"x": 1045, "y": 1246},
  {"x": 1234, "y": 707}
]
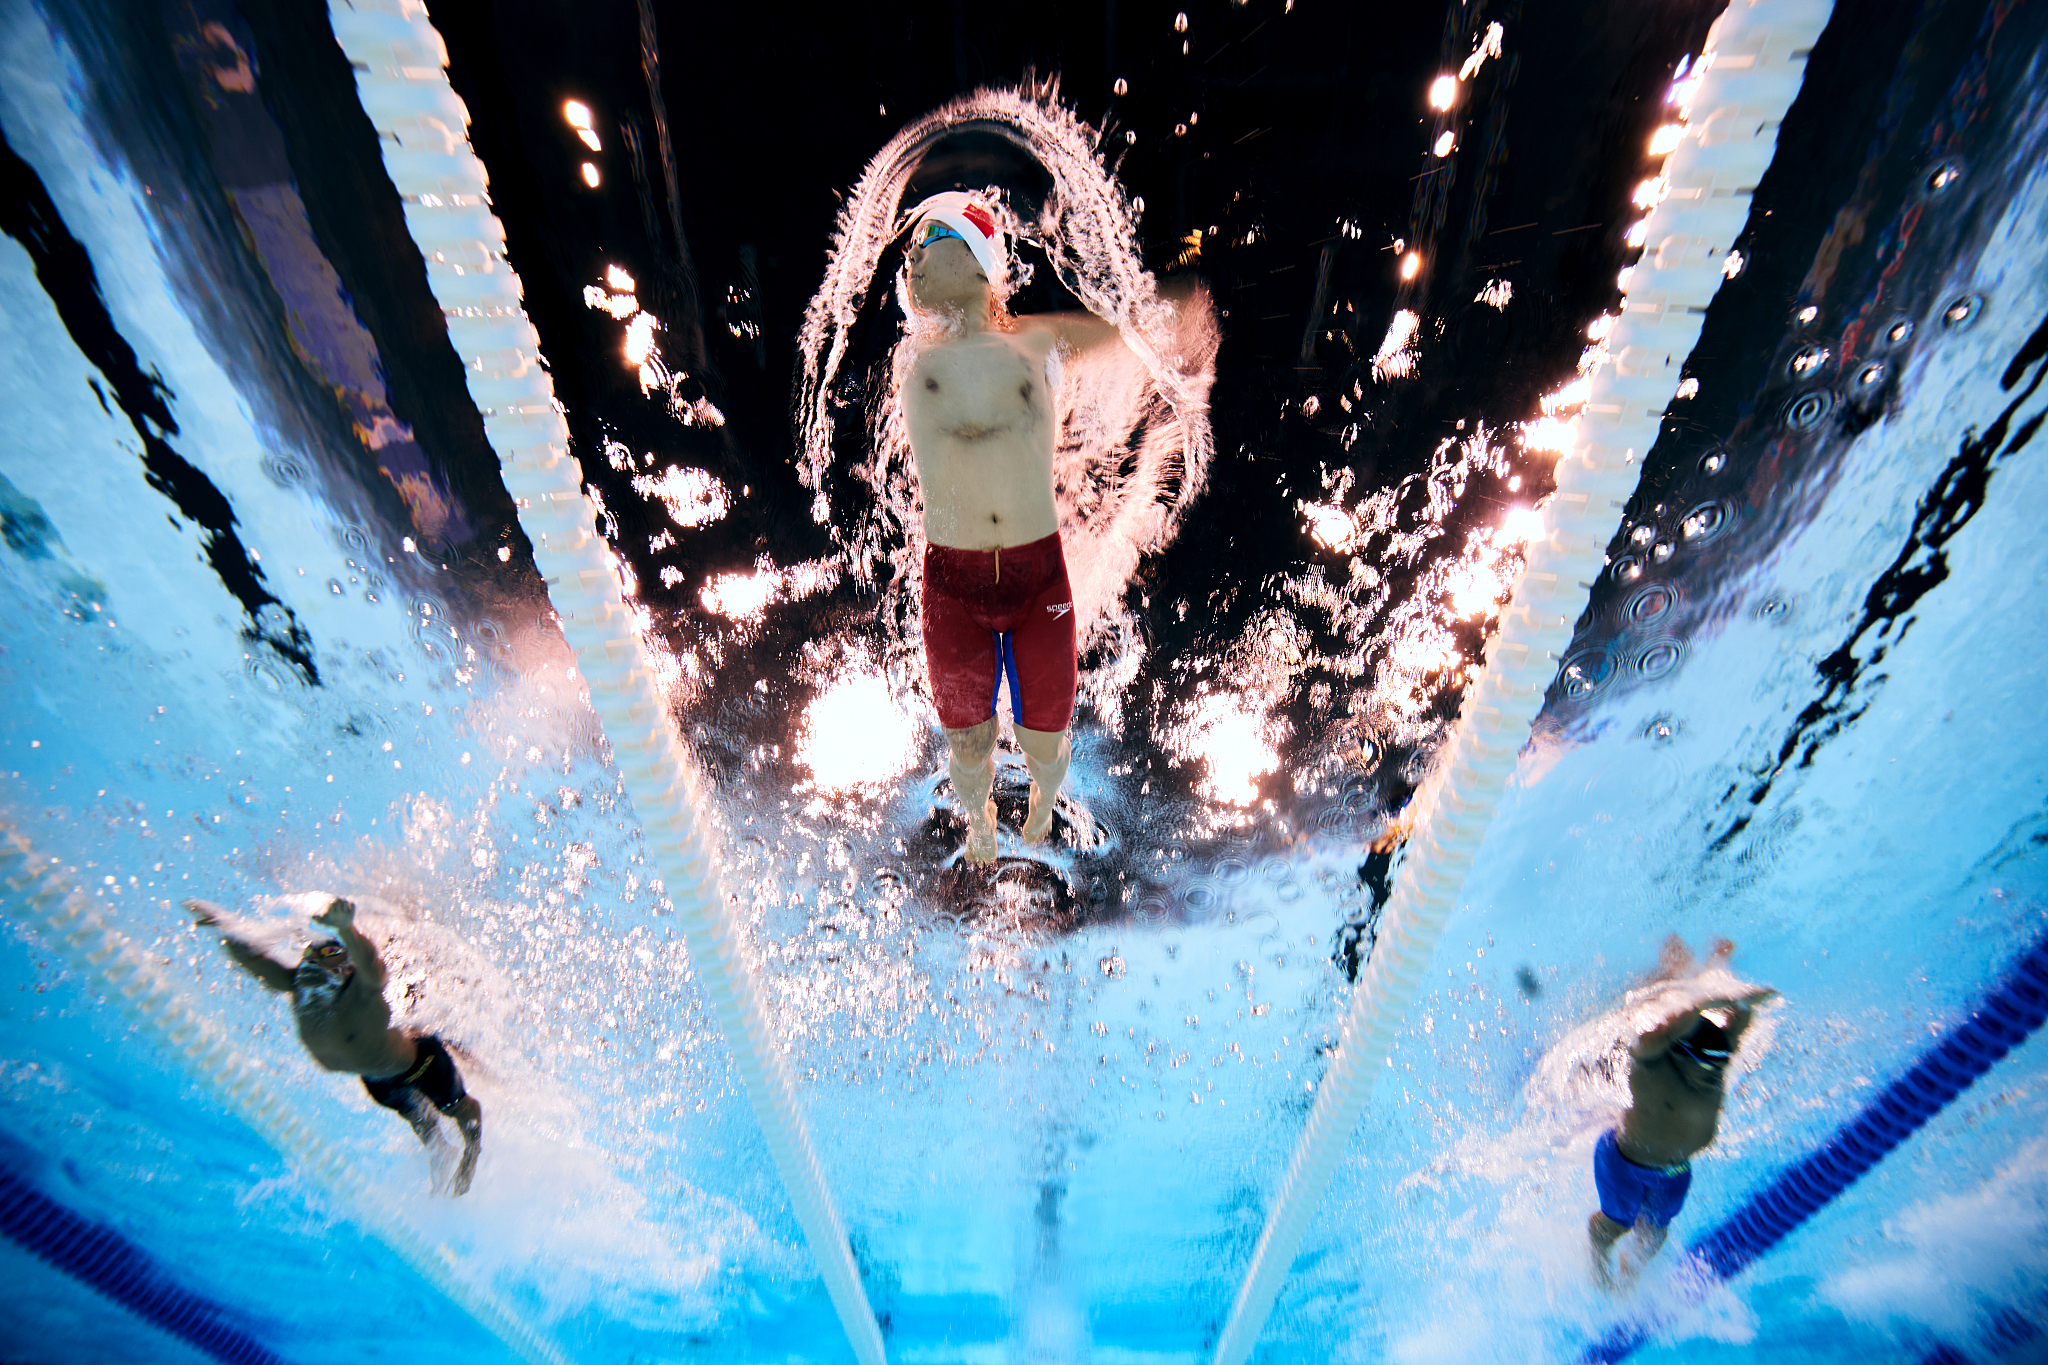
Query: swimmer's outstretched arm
[
  {"x": 271, "y": 973},
  {"x": 1083, "y": 331},
  {"x": 340, "y": 916},
  {"x": 1657, "y": 1041}
]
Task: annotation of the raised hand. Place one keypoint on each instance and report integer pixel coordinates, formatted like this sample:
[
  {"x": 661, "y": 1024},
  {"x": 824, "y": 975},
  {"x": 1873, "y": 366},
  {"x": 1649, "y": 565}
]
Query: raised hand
[
  {"x": 204, "y": 912},
  {"x": 339, "y": 914}
]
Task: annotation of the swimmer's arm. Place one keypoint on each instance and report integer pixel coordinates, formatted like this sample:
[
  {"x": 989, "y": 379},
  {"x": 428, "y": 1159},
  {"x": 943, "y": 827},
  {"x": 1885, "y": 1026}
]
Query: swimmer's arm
[
  {"x": 340, "y": 916},
  {"x": 1741, "y": 1013},
  {"x": 1073, "y": 332},
  {"x": 1655, "y": 1043},
  {"x": 272, "y": 974}
]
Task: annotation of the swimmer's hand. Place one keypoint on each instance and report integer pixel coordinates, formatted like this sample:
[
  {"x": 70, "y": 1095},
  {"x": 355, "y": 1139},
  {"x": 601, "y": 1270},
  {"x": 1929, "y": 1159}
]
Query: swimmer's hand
[
  {"x": 204, "y": 912},
  {"x": 339, "y": 914}
]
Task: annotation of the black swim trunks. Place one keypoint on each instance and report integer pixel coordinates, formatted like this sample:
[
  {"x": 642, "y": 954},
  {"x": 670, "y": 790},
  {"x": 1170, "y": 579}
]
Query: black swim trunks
[{"x": 432, "y": 1077}]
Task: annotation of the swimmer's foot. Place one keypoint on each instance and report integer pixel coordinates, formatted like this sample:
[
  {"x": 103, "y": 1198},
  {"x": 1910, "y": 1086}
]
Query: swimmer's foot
[
  {"x": 981, "y": 834},
  {"x": 465, "y": 1168},
  {"x": 1037, "y": 816}
]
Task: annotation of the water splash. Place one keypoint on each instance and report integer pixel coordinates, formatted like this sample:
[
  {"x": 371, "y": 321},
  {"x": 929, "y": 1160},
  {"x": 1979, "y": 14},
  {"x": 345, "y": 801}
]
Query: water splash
[{"x": 1133, "y": 444}]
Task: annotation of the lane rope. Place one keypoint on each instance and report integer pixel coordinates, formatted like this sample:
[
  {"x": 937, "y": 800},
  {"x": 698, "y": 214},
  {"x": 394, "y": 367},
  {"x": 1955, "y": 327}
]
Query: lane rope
[
  {"x": 1754, "y": 61},
  {"x": 422, "y": 127},
  {"x": 95, "y": 947},
  {"x": 2009, "y": 1014}
]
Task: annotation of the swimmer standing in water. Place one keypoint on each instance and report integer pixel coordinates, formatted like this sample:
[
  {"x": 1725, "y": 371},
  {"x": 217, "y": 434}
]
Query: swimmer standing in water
[
  {"x": 337, "y": 993},
  {"x": 1677, "y": 1078},
  {"x": 978, "y": 407}
]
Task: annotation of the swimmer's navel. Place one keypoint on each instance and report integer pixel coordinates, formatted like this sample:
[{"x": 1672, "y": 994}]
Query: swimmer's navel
[{"x": 932, "y": 385}]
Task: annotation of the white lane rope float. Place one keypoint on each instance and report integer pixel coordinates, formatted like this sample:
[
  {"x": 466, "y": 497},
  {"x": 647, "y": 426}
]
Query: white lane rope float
[
  {"x": 44, "y": 898},
  {"x": 422, "y": 127},
  {"x": 1755, "y": 60}
]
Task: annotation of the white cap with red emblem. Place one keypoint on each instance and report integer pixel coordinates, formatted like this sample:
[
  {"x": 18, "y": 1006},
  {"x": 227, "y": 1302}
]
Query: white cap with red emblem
[{"x": 965, "y": 215}]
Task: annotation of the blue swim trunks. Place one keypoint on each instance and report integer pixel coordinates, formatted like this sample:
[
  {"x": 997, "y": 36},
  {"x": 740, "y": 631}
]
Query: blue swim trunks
[{"x": 1629, "y": 1191}]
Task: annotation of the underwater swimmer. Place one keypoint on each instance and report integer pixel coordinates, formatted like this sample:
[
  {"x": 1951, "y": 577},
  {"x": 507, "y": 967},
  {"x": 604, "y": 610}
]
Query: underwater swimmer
[
  {"x": 337, "y": 993},
  {"x": 979, "y": 411},
  {"x": 1678, "y": 1072}
]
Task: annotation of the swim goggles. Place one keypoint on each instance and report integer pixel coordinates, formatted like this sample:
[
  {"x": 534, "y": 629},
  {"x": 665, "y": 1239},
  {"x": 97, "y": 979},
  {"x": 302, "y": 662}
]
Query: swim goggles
[
  {"x": 934, "y": 231},
  {"x": 1710, "y": 1057},
  {"x": 329, "y": 950}
]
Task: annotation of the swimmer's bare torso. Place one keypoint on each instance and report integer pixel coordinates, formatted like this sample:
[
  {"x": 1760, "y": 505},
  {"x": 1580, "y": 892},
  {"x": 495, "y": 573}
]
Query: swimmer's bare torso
[{"x": 981, "y": 431}]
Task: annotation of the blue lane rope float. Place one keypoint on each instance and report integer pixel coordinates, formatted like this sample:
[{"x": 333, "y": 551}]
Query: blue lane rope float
[
  {"x": 108, "y": 1262},
  {"x": 2015, "y": 1007}
]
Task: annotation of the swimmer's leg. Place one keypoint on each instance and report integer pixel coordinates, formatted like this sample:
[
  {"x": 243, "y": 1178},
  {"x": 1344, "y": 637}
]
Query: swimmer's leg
[
  {"x": 1046, "y": 755},
  {"x": 972, "y": 767},
  {"x": 469, "y": 1117}
]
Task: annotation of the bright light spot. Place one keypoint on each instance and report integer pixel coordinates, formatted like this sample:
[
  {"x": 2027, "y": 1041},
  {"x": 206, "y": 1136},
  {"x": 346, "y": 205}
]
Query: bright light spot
[
  {"x": 1571, "y": 395},
  {"x": 1666, "y": 139},
  {"x": 692, "y": 496},
  {"x": 1599, "y": 327},
  {"x": 854, "y": 735},
  {"x": 1521, "y": 526},
  {"x": 1688, "y": 386},
  {"x": 1411, "y": 265},
  {"x": 1732, "y": 267},
  {"x": 1231, "y": 741},
  {"x": 640, "y": 338},
  {"x": 590, "y": 175},
  {"x": 741, "y": 596},
  {"x": 1638, "y": 232},
  {"x": 1651, "y": 192},
  {"x": 618, "y": 279},
  {"x": 1396, "y": 357},
  {"x": 1428, "y": 653},
  {"x": 1496, "y": 294},
  {"x": 577, "y": 112},
  {"x": 1444, "y": 143},
  {"x": 1488, "y": 45},
  {"x": 1621, "y": 280},
  {"x": 1331, "y": 528},
  {"x": 590, "y": 139},
  {"x": 1553, "y": 434},
  {"x": 620, "y": 306},
  {"x": 1476, "y": 590},
  {"x": 1808, "y": 314},
  {"x": 1443, "y": 91}
]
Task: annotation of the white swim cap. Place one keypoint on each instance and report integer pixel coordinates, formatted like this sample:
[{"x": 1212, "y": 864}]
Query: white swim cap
[{"x": 965, "y": 215}]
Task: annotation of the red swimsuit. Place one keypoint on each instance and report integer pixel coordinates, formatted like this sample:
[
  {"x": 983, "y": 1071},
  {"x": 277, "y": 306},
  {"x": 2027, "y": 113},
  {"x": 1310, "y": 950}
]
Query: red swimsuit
[{"x": 995, "y": 613}]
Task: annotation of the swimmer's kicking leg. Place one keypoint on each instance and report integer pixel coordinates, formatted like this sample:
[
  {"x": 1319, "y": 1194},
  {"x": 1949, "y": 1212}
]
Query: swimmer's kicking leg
[
  {"x": 972, "y": 768},
  {"x": 1046, "y": 755}
]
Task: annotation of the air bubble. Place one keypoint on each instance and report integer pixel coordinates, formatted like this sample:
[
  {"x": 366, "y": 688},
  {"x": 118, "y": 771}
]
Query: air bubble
[
  {"x": 1962, "y": 312},
  {"x": 1658, "y": 659},
  {"x": 1900, "y": 332},
  {"x": 1180, "y": 22},
  {"x": 1651, "y": 603},
  {"x": 1662, "y": 551},
  {"x": 1773, "y": 608},
  {"x": 1122, "y": 86},
  {"x": 1703, "y": 522},
  {"x": 1941, "y": 177},
  {"x": 1585, "y": 673},
  {"x": 1870, "y": 376},
  {"x": 1628, "y": 569},
  {"x": 1714, "y": 462},
  {"x": 1180, "y": 130},
  {"x": 1130, "y": 138},
  {"x": 1806, "y": 315},
  {"x": 1809, "y": 359},
  {"x": 334, "y": 586},
  {"x": 1809, "y": 409},
  {"x": 1642, "y": 535}
]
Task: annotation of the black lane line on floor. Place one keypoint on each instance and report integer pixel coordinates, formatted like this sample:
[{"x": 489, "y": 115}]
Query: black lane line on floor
[
  {"x": 104, "y": 1260},
  {"x": 64, "y": 268}
]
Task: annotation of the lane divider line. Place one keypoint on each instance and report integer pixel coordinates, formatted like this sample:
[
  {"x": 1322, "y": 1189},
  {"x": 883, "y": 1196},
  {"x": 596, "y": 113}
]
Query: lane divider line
[
  {"x": 1755, "y": 60},
  {"x": 422, "y": 127}
]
